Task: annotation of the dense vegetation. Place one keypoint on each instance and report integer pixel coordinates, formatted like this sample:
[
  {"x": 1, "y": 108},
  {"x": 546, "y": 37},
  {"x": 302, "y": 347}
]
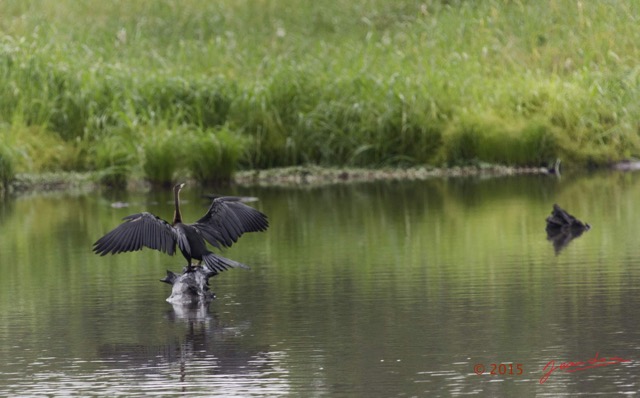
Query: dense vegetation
[{"x": 159, "y": 87}]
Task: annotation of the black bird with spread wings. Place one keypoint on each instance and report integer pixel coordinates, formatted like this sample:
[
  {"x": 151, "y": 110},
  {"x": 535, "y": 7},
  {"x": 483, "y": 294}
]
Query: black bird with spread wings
[{"x": 226, "y": 220}]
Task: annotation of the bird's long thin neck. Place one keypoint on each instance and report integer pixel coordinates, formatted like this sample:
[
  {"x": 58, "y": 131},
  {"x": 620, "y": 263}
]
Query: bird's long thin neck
[{"x": 177, "y": 217}]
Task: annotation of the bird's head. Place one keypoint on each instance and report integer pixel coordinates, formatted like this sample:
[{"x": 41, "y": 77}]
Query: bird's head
[{"x": 178, "y": 187}]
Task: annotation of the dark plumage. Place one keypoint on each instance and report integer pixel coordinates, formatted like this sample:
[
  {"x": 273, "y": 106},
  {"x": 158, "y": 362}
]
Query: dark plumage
[{"x": 226, "y": 220}]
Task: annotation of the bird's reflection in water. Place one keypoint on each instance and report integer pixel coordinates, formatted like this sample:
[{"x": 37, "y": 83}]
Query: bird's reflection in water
[
  {"x": 207, "y": 337},
  {"x": 203, "y": 345},
  {"x": 190, "y": 313},
  {"x": 561, "y": 237},
  {"x": 196, "y": 316}
]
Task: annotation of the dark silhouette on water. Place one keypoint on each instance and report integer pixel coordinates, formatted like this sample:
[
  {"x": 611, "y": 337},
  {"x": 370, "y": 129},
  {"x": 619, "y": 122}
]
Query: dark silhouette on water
[
  {"x": 226, "y": 220},
  {"x": 562, "y": 228}
]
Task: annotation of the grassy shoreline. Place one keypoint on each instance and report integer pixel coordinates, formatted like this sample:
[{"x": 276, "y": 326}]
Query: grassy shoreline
[
  {"x": 286, "y": 176},
  {"x": 167, "y": 88},
  {"x": 295, "y": 176}
]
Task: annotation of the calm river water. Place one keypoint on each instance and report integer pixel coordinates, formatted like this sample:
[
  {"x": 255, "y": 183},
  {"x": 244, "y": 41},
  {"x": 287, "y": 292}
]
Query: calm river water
[{"x": 378, "y": 290}]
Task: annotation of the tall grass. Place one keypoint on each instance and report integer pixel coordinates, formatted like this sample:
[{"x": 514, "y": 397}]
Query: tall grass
[
  {"x": 161, "y": 154},
  {"x": 366, "y": 83},
  {"x": 114, "y": 158},
  {"x": 213, "y": 155},
  {"x": 7, "y": 168},
  {"x": 210, "y": 156}
]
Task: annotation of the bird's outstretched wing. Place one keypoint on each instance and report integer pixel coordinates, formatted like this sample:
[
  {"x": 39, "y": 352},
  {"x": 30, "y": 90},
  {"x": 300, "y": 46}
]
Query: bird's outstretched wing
[
  {"x": 138, "y": 231},
  {"x": 228, "y": 218}
]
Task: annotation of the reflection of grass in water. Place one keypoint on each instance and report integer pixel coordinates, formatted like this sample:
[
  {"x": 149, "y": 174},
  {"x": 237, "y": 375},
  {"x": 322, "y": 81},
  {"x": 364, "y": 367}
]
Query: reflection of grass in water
[
  {"x": 336, "y": 83},
  {"x": 441, "y": 228},
  {"x": 448, "y": 247},
  {"x": 359, "y": 260}
]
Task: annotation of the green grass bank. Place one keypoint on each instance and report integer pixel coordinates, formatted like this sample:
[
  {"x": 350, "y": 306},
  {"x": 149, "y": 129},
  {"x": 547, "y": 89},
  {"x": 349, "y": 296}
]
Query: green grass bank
[{"x": 156, "y": 88}]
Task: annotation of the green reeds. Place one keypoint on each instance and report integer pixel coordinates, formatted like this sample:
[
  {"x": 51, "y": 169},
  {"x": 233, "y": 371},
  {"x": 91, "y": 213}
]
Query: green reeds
[
  {"x": 209, "y": 156},
  {"x": 114, "y": 158},
  {"x": 7, "y": 169},
  {"x": 213, "y": 155},
  {"x": 161, "y": 151},
  {"x": 489, "y": 139},
  {"x": 340, "y": 83}
]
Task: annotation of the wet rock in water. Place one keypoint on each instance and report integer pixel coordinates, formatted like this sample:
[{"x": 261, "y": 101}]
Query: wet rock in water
[
  {"x": 562, "y": 228},
  {"x": 192, "y": 286}
]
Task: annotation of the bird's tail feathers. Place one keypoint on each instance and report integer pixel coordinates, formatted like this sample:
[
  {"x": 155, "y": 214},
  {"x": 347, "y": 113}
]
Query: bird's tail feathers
[{"x": 217, "y": 264}]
